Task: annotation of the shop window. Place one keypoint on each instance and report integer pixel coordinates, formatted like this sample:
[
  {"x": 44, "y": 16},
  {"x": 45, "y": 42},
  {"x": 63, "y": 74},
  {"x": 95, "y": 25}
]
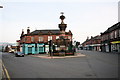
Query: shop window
[
  {"x": 29, "y": 49},
  {"x": 41, "y": 49}
]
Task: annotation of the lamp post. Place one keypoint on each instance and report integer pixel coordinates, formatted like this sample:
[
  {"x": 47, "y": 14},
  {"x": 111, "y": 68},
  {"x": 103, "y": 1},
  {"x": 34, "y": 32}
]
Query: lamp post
[
  {"x": 50, "y": 45},
  {"x": 50, "y": 48},
  {"x": 74, "y": 46}
]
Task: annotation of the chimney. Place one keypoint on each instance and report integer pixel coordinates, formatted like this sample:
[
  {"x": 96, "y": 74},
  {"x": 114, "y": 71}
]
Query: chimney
[
  {"x": 87, "y": 38},
  {"x": 22, "y": 32},
  {"x": 28, "y": 30}
]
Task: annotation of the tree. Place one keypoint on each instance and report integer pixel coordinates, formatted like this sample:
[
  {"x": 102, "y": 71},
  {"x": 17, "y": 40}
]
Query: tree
[
  {"x": 7, "y": 48},
  {"x": 77, "y": 44}
]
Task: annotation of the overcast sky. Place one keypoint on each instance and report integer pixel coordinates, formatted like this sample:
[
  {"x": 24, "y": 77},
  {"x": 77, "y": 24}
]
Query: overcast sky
[{"x": 83, "y": 17}]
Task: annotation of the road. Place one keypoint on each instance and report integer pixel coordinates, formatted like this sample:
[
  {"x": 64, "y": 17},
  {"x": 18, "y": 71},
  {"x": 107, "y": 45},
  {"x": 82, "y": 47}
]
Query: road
[{"x": 93, "y": 65}]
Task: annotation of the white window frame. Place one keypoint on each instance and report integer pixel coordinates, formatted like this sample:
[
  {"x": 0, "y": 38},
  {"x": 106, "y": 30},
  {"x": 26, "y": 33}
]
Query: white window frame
[
  {"x": 115, "y": 34},
  {"x": 32, "y": 39},
  {"x": 49, "y": 38},
  {"x": 57, "y": 37},
  {"x": 41, "y": 38}
]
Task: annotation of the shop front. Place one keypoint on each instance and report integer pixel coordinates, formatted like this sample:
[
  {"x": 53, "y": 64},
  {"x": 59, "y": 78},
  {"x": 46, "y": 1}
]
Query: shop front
[
  {"x": 41, "y": 48},
  {"x": 33, "y": 48},
  {"x": 115, "y": 46}
]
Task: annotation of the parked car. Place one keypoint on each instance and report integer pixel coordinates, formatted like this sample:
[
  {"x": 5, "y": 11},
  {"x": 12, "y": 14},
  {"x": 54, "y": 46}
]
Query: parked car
[
  {"x": 12, "y": 51},
  {"x": 19, "y": 54}
]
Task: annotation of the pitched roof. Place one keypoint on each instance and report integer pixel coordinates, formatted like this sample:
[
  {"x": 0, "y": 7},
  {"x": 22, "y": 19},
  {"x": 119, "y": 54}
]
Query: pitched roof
[
  {"x": 93, "y": 38},
  {"x": 112, "y": 28},
  {"x": 53, "y": 31}
]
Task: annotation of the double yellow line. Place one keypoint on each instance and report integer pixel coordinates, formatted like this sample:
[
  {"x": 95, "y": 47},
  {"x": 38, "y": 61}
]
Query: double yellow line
[{"x": 5, "y": 72}]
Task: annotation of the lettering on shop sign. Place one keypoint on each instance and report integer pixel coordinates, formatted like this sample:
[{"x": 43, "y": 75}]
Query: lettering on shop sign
[
  {"x": 30, "y": 46},
  {"x": 62, "y": 46},
  {"x": 41, "y": 45}
]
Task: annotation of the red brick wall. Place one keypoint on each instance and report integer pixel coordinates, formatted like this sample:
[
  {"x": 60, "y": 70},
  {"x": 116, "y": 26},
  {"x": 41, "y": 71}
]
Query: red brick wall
[
  {"x": 28, "y": 39},
  {"x": 92, "y": 41}
]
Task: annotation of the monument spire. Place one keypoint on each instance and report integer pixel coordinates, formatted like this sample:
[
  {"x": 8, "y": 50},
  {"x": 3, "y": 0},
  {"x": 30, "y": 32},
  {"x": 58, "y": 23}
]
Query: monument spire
[
  {"x": 62, "y": 26},
  {"x": 62, "y": 17}
]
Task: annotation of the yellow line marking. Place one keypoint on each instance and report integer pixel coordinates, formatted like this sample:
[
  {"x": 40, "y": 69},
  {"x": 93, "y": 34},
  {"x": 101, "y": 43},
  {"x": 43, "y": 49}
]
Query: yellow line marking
[
  {"x": 7, "y": 74},
  {"x": 3, "y": 74}
]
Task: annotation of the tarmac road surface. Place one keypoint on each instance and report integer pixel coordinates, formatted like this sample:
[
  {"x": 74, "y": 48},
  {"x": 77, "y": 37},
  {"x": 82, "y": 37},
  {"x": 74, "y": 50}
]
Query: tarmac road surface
[{"x": 93, "y": 65}]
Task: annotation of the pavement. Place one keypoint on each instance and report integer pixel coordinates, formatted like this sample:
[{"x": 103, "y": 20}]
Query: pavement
[{"x": 58, "y": 57}]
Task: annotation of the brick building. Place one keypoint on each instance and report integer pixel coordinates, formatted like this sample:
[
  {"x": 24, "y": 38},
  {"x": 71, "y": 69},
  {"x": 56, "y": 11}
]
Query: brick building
[
  {"x": 92, "y": 44},
  {"x": 43, "y": 41},
  {"x": 111, "y": 39}
]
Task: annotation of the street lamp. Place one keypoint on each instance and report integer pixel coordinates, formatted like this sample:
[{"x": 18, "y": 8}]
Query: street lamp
[
  {"x": 50, "y": 48},
  {"x": 50, "y": 45},
  {"x": 75, "y": 46}
]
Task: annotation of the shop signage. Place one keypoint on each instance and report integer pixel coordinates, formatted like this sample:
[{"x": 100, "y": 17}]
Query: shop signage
[
  {"x": 115, "y": 42},
  {"x": 30, "y": 46},
  {"x": 46, "y": 45},
  {"x": 41, "y": 45},
  {"x": 62, "y": 46}
]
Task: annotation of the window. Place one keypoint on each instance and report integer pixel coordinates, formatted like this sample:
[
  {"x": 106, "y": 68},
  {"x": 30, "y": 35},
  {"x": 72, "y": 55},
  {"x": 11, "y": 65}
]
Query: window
[
  {"x": 49, "y": 38},
  {"x": 24, "y": 39},
  {"x": 115, "y": 34},
  {"x": 40, "y": 39},
  {"x": 57, "y": 37},
  {"x": 111, "y": 35},
  {"x": 119, "y": 32},
  {"x": 32, "y": 39}
]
